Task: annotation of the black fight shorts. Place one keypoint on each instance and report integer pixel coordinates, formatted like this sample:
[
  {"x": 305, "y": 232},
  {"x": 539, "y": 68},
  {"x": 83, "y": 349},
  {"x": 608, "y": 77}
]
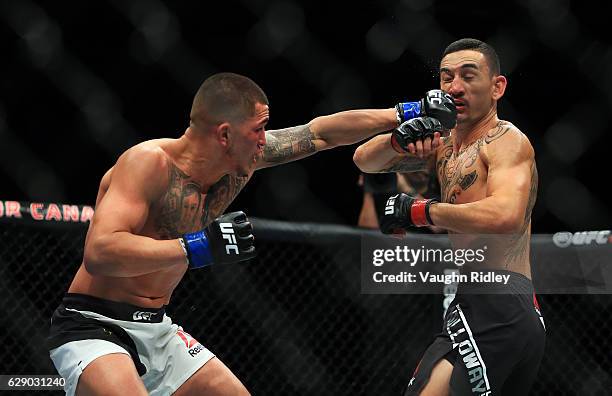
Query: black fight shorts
[{"x": 494, "y": 340}]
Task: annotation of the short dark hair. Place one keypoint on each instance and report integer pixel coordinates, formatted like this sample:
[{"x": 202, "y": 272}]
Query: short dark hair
[
  {"x": 226, "y": 97},
  {"x": 476, "y": 45}
]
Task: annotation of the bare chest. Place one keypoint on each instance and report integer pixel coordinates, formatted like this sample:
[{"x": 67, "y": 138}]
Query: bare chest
[
  {"x": 462, "y": 175},
  {"x": 184, "y": 208}
]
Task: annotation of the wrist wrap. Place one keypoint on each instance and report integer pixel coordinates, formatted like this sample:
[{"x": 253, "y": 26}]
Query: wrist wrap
[{"x": 198, "y": 249}]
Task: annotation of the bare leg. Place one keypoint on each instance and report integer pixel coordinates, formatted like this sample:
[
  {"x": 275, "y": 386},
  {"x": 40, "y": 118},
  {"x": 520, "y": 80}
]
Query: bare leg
[
  {"x": 113, "y": 374},
  {"x": 439, "y": 381},
  {"x": 213, "y": 379}
]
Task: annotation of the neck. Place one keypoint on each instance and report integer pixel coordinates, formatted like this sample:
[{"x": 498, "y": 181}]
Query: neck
[
  {"x": 466, "y": 133},
  {"x": 203, "y": 162}
]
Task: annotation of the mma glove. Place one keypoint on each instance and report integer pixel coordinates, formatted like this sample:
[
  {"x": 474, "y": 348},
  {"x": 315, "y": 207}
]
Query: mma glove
[
  {"x": 228, "y": 239},
  {"x": 413, "y": 130},
  {"x": 436, "y": 103},
  {"x": 403, "y": 211}
]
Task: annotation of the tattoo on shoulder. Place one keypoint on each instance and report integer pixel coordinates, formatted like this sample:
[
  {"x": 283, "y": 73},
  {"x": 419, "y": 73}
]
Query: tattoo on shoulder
[
  {"x": 500, "y": 130},
  {"x": 289, "y": 143}
]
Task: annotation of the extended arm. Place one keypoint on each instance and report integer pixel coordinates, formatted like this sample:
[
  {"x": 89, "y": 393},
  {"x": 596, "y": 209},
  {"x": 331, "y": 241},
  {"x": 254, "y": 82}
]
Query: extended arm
[
  {"x": 322, "y": 133},
  {"x": 378, "y": 156}
]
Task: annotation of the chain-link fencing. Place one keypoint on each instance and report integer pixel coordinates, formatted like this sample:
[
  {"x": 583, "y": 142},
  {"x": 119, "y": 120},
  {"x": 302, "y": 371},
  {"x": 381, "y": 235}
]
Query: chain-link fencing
[{"x": 293, "y": 321}]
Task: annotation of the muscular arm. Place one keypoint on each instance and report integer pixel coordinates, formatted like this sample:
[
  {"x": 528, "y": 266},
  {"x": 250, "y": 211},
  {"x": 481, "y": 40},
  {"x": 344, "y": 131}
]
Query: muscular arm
[
  {"x": 113, "y": 246},
  {"x": 377, "y": 156},
  {"x": 322, "y": 133},
  {"x": 511, "y": 191}
]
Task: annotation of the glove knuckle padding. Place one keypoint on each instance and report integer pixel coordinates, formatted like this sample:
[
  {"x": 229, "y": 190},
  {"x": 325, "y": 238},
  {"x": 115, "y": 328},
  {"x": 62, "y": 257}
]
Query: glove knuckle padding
[
  {"x": 238, "y": 217},
  {"x": 243, "y": 229},
  {"x": 441, "y": 105}
]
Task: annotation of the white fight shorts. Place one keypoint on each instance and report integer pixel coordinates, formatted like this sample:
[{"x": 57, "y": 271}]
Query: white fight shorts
[{"x": 84, "y": 328}]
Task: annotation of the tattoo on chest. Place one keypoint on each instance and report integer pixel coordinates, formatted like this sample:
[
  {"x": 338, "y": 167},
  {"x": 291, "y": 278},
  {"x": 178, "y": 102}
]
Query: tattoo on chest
[
  {"x": 467, "y": 180},
  {"x": 454, "y": 171},
  {"x": 185, "y": 209},
  {"x": 220, "y": 196}
]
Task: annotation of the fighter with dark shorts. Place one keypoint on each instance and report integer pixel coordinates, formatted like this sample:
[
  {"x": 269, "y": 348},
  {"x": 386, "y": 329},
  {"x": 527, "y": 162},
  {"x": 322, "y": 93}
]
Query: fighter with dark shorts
[{"x": 493, "y": 336}]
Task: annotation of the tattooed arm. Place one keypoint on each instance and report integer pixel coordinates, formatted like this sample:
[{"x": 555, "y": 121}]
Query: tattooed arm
[
  {"x": 510, "y": 192},
  {"x": 377, "y": 156},
  {"x": 322, "y": 133}
]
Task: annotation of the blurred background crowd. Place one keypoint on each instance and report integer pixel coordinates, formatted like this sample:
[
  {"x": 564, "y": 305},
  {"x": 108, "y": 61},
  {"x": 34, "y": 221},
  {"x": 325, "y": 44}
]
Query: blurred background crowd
[{"x": 83, "y": 81}]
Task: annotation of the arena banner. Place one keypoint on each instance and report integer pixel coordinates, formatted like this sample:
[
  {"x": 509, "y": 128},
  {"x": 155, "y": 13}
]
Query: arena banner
[{"x": 37, "y": 212}]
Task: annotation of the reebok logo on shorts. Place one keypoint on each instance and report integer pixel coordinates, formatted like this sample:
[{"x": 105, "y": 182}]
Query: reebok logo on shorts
[{"x": 193, "y": 346}]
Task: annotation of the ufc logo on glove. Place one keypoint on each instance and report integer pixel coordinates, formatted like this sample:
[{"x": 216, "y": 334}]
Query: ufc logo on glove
[
  {"x": 228, "y": 239},
  {"x": 228, "y": 233},
  {"x": 390, "y": 205},
  {"x": 435, "y": 96}
]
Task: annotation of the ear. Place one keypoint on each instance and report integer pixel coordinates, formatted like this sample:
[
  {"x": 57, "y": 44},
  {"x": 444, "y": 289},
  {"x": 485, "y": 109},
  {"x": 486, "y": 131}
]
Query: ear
[
  {"x": 499, "y": 87},
  {"x": 223, "y": 133}
]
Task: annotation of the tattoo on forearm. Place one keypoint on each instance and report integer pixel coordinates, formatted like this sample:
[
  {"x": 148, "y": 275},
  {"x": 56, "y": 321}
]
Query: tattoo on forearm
[
  {"x": 284, "y": 145},
  {"x": 406, "y": 164}
]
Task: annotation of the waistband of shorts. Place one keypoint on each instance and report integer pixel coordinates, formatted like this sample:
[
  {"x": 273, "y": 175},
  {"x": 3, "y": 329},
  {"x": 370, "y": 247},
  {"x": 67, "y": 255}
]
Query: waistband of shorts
[
  {"x": 113, "y": 309},
  {"x": 517, "y": 284}
]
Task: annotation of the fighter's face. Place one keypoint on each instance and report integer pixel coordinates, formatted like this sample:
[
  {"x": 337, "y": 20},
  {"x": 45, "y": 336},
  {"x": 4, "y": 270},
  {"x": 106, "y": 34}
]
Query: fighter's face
[
  {"x": 248, "y": 140},
  {"x": 467, "y": 77}
]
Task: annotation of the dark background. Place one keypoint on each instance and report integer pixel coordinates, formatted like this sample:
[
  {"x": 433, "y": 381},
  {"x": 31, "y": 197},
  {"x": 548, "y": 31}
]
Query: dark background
[{"x": 83, "y": 81}]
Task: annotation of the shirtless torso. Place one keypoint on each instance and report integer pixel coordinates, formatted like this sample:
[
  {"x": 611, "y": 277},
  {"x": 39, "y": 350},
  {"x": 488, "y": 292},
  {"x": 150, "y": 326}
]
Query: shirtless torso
[
  {"x": 464, "y": 175},
  {"x": 181, "y": 207}
]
